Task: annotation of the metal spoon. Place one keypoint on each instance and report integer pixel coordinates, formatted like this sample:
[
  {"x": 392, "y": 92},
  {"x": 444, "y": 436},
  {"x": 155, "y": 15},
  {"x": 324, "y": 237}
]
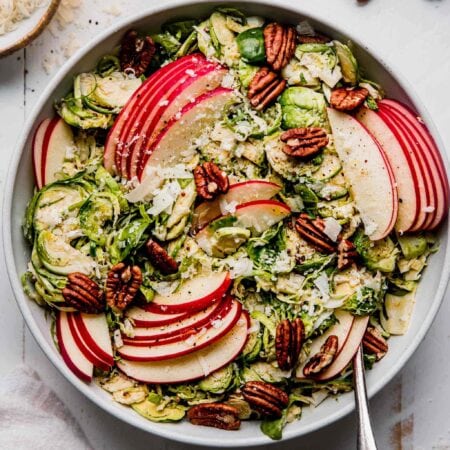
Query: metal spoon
[{"x": 365, "y": 439}]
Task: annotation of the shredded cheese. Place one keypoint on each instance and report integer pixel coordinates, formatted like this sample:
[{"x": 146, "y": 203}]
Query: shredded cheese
[{"x": 14, "y": 11}]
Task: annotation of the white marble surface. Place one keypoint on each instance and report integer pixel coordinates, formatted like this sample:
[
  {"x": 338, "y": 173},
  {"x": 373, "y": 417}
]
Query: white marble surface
[{"x": 413, "y": 411}]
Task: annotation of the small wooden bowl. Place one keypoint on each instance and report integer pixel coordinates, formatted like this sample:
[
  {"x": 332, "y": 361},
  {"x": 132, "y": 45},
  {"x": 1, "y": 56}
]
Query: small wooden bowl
[{"x": 28, "y": 29}]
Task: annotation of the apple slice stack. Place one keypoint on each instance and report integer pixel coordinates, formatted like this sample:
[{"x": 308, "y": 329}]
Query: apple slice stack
[
  {"x": 185, "y": 335},
  {"x": 164, "y": 115},
  {"x": 84, "y": 342},
  {"x": 397, "y": 176}
]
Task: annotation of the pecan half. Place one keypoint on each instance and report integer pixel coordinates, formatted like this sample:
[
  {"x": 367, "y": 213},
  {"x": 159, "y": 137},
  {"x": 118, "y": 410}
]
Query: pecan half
[
  {"x": 83, "y": 294},
  {"x": 323, "y": 359},
  {"x": 374, "y": 343},
  {"x": 122, "y": 285},
  {"x": 210, "y": 181},
  {"x": 311, "y": 230},
  {"x": 265, "y": 88},
  {"x": 217, "y": 415},
  {"x": 288, "y": 343},
  {"x": 304, "y": 142},
  {"x": 316, "y": 39},
  {"x": 265, "y": 398},
  {"x": 160, "y": 259},
  {"x": 280, "y": 42},
  {"x": 136, "y": 53},
  {"x": 346, "y": 254},
  {"x": 346, "y": 99}
]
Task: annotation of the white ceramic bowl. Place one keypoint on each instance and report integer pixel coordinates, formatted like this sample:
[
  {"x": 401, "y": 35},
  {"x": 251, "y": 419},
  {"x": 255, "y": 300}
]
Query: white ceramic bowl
[
  {"x": 19, "y": 189},
  {"x": 28, "y": 29}
]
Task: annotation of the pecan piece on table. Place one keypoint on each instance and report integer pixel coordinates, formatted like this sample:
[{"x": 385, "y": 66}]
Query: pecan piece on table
[
  {"x": 323, "y": 358},
  {"x": 374, "y": 343},
  {"x": 304, "y": 142},
  {"x": 311, "y": 230},
  {"x": 210, "y": 181},
  {"x": 280, "y": 42},
  {"x": 265, "y": 398},
  {"x": 346, "y": 254},
  {"x": 160, "y": 259},
  {"x": 288, "y": 343},
  {"x": 83, "y": 294},
  {"x": 136, "y": 53},
  {"x": 122, "y": 285},
  {"x": 217, "y": 415},
  {"x": 316, "y": 39},
  {"x": 346, "y": 99},
  {"x": 264, "y": 88}
]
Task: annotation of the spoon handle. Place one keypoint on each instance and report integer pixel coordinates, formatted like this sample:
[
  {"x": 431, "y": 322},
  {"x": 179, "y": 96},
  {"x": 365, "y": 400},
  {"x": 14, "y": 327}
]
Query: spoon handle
[{"x": 366, "y": 439}]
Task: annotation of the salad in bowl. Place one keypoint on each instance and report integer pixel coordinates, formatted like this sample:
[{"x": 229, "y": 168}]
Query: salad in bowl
[{"x": 225, "y": 210}]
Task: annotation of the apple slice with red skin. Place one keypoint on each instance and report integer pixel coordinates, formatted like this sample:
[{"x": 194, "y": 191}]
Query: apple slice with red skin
[
  {"x": 342, "y": 329},
  {"x": 194, "y": 294},
  {"x": 181, "y": 131},
  {"x": 349, "y": 350},
  {"x": 180, "y": 326},
  {"x": 58, "y": 138},
  {"x": 369, "y": 173},
  {"x": 195, "y": 365},
  {"x": 70, "y": 352},
  {"x": 220, "y": 310},
  {"x": 124, "y": 120},
  {"x": 38, "y": 147},
  {"x": 172, "y": 76},
  {"x": 186, "y": 343},
  {"x": 93, "y": 328},
  {"x": 239, "y": 193},
  {"x": 407, "y": 185},
  {"x": 183, "y": 90},
  {"x": 145, "y": 316},
  {"x": 432, "y": 147},
  {"x": 258, "y": 215},
  {"x": 418, "y": 166},
  {"x": 85, "y": 347},
  {"x": 431, "y": 155}
]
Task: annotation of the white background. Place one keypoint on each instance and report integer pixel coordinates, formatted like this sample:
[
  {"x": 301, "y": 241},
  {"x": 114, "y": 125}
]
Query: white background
[{"x": 413, "y": 411}]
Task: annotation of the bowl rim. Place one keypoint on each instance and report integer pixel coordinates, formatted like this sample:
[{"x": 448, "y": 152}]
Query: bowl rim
[
  {"x": 23, "y": 302},
  {"x": 23, "y": 41}
]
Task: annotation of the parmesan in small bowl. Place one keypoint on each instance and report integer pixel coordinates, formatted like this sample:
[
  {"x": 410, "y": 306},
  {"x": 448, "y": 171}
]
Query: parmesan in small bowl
[{"x": 21, "y": 21}]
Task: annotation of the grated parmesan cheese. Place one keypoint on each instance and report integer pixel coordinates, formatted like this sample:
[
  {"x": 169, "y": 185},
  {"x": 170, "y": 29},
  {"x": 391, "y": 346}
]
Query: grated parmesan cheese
[
  {"x": 332, "y": 228},
  {"x": 14, "y": 11}
]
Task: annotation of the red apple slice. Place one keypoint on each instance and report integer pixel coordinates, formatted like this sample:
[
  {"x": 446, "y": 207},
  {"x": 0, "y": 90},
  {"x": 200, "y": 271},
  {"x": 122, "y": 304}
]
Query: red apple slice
[
  {"x": 173, "y": 75},
  {"x": 194, "y": 294},
  {"x": 258, "y": 215},
  {"x": 171, "y": 144},
  {"x": 145, "y": 317},
  {"x": 369, "y": 173},
  {"x": 70, "y": 352},
  {"x": 243, "y": 192},
  {"x": 426, "y": 144},
  {"x": 188, "y": 323},
  {"x": 58, "y": 141},
  {"x": 341, "y": 329},
  {"x": 407, "y": 185},
  {"x": 38, "y": 148},
  {"x": 182, "y": 91},
  {"x": 84, "y": 347},
  {"x": 429, "y": 212},
  {"x": 347, "y": 353},
  {"x": 220, "y": 309},
  {"x": 94, "y": 331},
  {"x": 417, "y": 167},
  {"x": 171, "y": 348},
  {"x": 124, "y": 120},
  {"x": 195, "y": 365}
]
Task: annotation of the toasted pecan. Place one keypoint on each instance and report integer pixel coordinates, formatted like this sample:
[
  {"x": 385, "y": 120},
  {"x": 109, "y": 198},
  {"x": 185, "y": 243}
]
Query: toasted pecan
[
  {"x": 217, "y": 415},
  {"x": 122, "y": 285},
  {"x": 304, "y": 142},
  {"x": 374, "y": 343},
  {"x": 265, "y": 88},
  {"x": 348, "y": 99},
  {"x": 83, "y": 294},
  {"x": 136, "y": 53},
  {"x": 210, "y": 181},
  {"x": 265, "y": 398},
  {"x": 311, "y": 230},
  {"x": 321, "y": 360},
  {"x": 160, "y": 259}
]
